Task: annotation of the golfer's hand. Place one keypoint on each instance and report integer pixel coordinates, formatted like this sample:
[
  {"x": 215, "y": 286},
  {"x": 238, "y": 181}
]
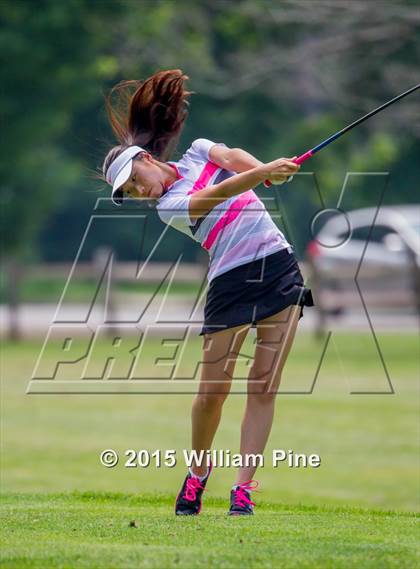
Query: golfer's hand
[{"x": 278, "y": 171}]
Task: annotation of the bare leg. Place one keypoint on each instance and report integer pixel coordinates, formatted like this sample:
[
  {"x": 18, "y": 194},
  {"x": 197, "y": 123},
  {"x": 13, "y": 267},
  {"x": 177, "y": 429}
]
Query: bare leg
[
  {"x": 275, "y": 336},
  {"x": 219, "y": 358}
]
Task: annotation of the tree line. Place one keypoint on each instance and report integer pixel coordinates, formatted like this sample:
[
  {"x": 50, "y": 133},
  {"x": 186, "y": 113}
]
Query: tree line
[{"x": 273, "y": 77}]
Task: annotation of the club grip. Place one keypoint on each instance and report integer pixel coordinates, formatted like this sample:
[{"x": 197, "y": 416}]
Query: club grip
[
  {"x": 297, "y": 160},
  {"x": 303, "y": 157}
]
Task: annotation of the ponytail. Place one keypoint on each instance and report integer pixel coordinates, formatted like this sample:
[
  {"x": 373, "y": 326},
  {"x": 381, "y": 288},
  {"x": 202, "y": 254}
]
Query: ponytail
[{"x": 149, "y": 114}]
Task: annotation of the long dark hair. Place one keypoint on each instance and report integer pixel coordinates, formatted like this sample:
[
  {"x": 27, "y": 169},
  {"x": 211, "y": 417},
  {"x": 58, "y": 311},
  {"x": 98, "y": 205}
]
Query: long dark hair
[{"x": 148, "y": 113}]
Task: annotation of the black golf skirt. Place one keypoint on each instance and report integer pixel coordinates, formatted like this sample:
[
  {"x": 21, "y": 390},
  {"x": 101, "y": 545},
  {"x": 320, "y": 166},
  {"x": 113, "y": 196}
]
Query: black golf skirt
[{"x": 254, "y": 291}]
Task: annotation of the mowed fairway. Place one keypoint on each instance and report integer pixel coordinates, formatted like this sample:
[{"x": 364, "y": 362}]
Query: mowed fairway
[
  {"x": 61, "y": 508},
  {"x": 119, "y": 531}
]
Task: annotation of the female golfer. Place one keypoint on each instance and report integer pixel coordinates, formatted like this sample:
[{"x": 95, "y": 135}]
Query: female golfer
[{"x": 254, "y": 279}]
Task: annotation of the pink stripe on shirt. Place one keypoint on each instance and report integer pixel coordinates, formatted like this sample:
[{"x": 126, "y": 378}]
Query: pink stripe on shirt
[
  {"x": 205, "y": 176},
  {"x": 230, "y": 215}
]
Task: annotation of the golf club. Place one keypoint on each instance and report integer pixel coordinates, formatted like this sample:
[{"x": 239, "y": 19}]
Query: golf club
[{"x": 303, "y": 157}]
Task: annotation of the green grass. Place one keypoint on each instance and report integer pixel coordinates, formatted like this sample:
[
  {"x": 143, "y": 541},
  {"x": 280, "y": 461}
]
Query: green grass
[
  {"x": 124, "y": 531},
  {"x": 82, "y": 290},
  {"x": 62, "y": 508},
  {"x": 368, "y": 443}
]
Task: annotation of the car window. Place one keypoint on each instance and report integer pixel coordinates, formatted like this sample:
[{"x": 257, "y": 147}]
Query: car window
[{"x": 375, "y": 234}]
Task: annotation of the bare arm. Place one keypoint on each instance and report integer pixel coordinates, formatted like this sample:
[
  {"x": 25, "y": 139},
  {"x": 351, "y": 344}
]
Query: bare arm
[
  {"x": 234, "y": 159},
  {"x": 251, "y": 173}
]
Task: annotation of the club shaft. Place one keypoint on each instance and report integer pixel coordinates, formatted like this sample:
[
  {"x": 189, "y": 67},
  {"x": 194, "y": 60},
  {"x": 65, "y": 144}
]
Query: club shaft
[{"x": 303, "y": 157}]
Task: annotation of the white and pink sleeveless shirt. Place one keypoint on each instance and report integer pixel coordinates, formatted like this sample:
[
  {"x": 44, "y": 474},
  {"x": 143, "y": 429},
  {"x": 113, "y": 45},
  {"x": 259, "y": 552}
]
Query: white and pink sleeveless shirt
[{"x": 235, "y": 232}]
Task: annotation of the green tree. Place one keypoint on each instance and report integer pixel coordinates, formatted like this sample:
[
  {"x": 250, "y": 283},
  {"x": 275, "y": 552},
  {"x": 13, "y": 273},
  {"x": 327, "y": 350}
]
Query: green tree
[{"x": 51, "y": 66}]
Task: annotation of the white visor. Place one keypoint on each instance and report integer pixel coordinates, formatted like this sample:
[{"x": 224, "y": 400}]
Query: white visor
[{"x": 119, "y": 171}]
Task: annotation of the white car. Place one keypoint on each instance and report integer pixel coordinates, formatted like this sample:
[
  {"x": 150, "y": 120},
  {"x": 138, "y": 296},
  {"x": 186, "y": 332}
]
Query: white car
[{"x": 357, "y": 258}]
